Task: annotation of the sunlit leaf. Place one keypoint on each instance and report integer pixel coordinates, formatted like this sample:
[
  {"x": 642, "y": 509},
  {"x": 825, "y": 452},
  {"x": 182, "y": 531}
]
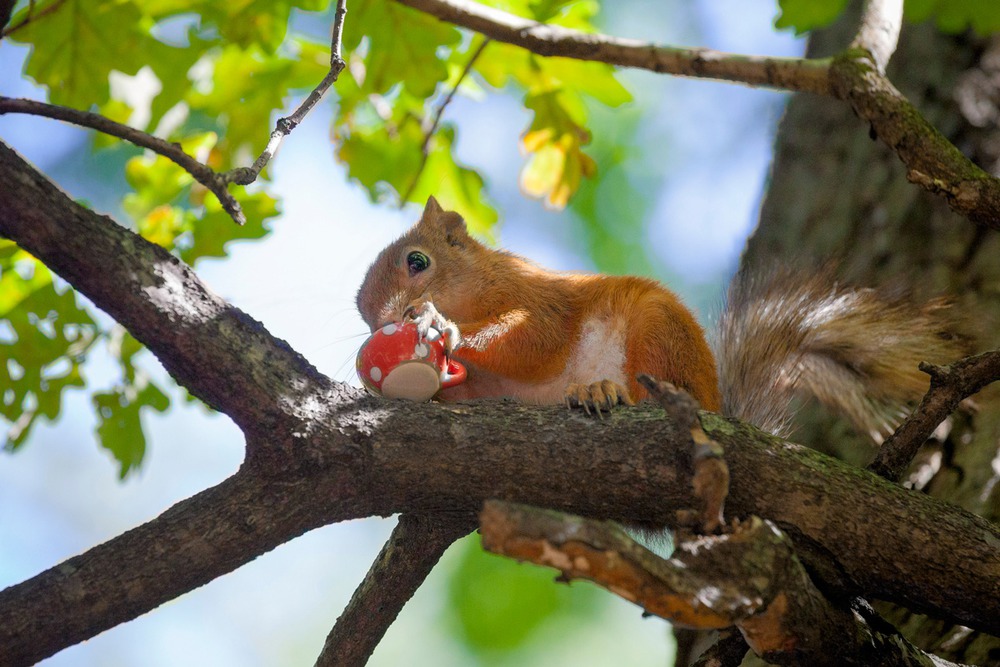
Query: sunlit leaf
[
  {"x": 402, "y": 46},
  {"x": 256, "y": 23},
  {"x": 157, "y": 183},
  {"x": 77, "y": 43},
  {"x": 247, "y": 85},
  {"x": 379, "y": 159},
  {"x": 212, "y": 232},
  {"x": 554, "y": 143}
]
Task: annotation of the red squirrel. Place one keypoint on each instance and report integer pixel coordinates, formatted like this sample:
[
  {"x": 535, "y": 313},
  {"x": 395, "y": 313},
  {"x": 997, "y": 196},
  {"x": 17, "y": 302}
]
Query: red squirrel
[{"x": 546, "y": 337}]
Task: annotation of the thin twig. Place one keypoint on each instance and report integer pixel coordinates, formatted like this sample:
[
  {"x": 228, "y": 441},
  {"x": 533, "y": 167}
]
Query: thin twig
[
  {"x": 415, "y": 546},
  {"x": 429, "y": 133},
  {"x": 285, "y": 125},
  {"x": 6, "y": 10},
  {"x": 31, "y": 16},
  {"x": 172, "y": 151},
  {"x": 878, "y": 33},
  {"x": 950, "y": 385}
]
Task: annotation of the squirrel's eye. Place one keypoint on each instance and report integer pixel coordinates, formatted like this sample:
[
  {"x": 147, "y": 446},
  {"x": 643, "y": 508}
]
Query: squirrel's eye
[{"x": 417, "y": 261}]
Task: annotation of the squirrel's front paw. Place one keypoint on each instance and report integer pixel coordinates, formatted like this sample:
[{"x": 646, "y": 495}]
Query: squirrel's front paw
[
  {"x": 426, "y": 317},
  {"x": 597, "y": 396}
]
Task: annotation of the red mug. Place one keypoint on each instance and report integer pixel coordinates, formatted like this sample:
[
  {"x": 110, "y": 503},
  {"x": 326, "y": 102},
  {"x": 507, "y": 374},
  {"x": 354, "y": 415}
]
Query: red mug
[{"x": 396, "y": 362}]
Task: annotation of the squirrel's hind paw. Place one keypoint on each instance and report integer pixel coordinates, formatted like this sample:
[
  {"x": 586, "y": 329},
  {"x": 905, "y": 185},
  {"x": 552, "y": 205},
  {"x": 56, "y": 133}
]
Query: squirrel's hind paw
[{"x": 596, "y": 396}]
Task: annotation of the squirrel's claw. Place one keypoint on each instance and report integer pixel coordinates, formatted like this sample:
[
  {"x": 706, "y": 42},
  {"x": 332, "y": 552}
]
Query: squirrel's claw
[
  {"x": 596, "y": 397},
  {"x": 426, "y": 316}
]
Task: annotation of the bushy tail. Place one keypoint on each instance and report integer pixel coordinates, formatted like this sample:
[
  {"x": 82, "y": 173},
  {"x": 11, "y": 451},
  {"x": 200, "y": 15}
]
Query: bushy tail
[{"x": 856, "y": 350}]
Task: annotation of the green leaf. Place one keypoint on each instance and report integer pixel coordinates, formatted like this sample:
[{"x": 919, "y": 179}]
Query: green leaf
[
  {"x": 119, "y": 427},
  {"x": 377, "y": 158},
  {"x": 497, "y": 605},
  {"x": 256, "y": 23},
  {"x": 954, "y": 16},
  {"x": 78, "y": 43},
  {"x": 194, "y": 226},
  {"x": 402, "y": 47},
  {"x": 44, "y": 337},
  {"x": 806, "y": 15},
  {"x": 212, "y": 233},
  {"x": 171, "y": 65},
  {"x": 248, "y": 85},
  {"x": 157, "y": 183}
]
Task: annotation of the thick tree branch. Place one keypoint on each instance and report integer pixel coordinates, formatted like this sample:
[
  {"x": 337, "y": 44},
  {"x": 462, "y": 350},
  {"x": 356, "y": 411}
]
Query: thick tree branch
[
  {"x": 320, "y": 453},
  {"x": 932, "y": 162},
  {"x": 950, "y": 385},
  {"x": 158, "y": 299},
  {"x": 415, "y": 546},
  {"x": 216, "y": 183}
]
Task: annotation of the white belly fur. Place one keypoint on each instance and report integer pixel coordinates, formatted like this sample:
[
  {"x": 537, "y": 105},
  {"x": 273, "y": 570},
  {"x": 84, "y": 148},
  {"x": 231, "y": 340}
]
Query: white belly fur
[{"x": 599, "y": 354}]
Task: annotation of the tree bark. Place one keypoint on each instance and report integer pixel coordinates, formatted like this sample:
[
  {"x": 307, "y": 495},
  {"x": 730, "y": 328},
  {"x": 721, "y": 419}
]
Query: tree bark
[{"x": 838, "y": 196}]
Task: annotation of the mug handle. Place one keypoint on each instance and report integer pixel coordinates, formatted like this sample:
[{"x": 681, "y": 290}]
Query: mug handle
[{"x": 453, "y": 374}]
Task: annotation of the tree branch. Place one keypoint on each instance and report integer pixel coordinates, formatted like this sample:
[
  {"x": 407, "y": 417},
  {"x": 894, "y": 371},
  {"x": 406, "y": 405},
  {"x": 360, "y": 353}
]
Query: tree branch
[
  {"x": 320, "y": 453},
  {"x": 728, "y": 651},
  {"x": 284, "y": 126},
  {"x": 950, "y": 385},
  {"x": 415, "y": 546},
  {"x": 216, "y": 183},
  {"x": 932, "y": 162},
  {"x": 205, "y": 175},
  {"x": 551, "y": 40},
  {"x": 748, "y": 578},
  {"x": 878, "y": 34}
]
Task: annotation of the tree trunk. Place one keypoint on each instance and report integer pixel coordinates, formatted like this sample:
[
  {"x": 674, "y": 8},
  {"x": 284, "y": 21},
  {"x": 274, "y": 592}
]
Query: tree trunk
[{"x": 839, "y": 197}]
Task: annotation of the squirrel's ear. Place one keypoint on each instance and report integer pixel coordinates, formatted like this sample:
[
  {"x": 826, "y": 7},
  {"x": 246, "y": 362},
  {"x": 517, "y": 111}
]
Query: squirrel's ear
[
  {"x": 432, "y": 207},
  {"x": 450, "y": 223}
]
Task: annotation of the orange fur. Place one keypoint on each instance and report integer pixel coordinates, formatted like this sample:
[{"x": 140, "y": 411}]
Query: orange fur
[{"x": 528, "y": 332}]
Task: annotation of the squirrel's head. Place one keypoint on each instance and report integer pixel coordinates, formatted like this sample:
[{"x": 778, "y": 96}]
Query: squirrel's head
[{"x": 434, "y": 260}]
